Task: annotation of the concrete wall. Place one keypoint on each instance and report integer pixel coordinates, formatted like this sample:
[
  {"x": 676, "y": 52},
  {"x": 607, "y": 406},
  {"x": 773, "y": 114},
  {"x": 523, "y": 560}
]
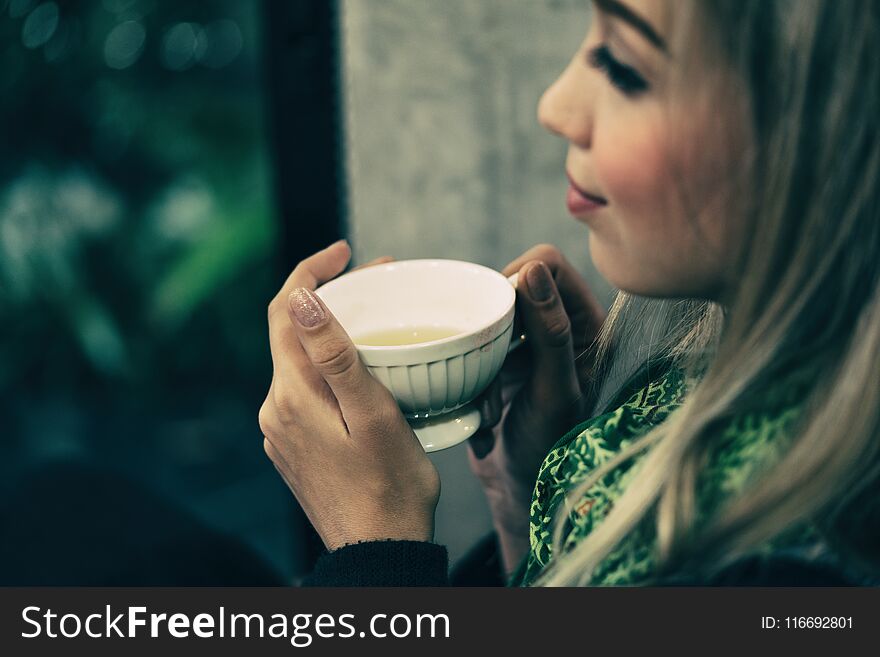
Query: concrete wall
[{"x": 447, "y": 159}]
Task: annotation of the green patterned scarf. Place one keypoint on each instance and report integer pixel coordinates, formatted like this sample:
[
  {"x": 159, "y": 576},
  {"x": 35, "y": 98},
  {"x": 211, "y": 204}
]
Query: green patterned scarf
[{"x": 742, "y": 447}]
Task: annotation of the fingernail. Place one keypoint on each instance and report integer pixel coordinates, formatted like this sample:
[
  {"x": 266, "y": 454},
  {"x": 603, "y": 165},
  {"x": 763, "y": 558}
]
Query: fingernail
[
  {"x": 306, "y": 308},
  {"x": 339, "y": 242},
  {"x": 540, "y": 285}
]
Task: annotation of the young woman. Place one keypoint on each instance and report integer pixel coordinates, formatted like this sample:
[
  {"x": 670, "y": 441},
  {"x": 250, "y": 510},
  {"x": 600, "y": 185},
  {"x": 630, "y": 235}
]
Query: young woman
[{"x": 725, "y": 156}]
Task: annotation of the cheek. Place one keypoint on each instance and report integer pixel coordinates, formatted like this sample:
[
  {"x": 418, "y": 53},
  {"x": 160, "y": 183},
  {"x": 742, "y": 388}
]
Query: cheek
[
  {"x": 632, "y": 160},
  {"x": 649, "y": 240},
  {"x": 631, "y": 165}
]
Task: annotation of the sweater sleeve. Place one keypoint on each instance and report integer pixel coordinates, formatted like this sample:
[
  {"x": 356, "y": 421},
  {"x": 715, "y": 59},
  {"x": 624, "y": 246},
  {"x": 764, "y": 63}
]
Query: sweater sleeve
[{"x": 382, "y": 563}]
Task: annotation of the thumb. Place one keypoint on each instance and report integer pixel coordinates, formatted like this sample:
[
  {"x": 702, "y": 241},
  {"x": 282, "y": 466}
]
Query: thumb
[
  {"x": 554, "y": 383},
  {"x": 333, "y": 354}
]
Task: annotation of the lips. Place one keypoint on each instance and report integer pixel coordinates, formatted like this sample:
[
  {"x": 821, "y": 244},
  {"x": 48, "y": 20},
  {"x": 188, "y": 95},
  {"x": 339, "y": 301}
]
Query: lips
[
  {"x": 580, "y": 201},
  {"x": 595, "y": 198}
]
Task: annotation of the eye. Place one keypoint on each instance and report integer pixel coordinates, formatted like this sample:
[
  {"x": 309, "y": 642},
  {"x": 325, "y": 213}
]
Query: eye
[{"x": 620, "y": 75}]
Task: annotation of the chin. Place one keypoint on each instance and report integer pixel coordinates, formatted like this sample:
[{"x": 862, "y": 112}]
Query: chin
[{"x": 615, "y": 269}]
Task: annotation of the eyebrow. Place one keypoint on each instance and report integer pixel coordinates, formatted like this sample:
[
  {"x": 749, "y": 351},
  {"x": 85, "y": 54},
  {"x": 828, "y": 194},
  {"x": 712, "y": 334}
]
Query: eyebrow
[{"x": 624, "y": 13}]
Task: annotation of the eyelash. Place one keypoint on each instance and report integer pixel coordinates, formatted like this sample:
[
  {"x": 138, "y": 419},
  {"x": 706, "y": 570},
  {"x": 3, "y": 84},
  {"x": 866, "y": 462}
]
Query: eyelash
[{"x": 620, "y": 75}]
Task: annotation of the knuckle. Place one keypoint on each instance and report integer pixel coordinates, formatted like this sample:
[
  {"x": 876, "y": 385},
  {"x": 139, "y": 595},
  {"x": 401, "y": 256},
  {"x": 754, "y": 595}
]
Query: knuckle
[
  {"x": 303, "y": 274},
  {"x": 386, "y": 417},
  {"x": 269, "y": 449},
  {"x": 379, "y": 419},
  {"x": 557, "y": 330},
  {"x": 273, "y": 308},
  {"x": 335, "y": 357},
  {"x": 266, "y": 419},
  {"x": 285, "y": 405}
]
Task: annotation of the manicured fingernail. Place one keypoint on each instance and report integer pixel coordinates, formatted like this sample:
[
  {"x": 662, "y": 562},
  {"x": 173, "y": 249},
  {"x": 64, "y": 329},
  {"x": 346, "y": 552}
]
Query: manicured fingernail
[
  {"x": 540, "y": 285},
  {"x": 305, "y": 307}
]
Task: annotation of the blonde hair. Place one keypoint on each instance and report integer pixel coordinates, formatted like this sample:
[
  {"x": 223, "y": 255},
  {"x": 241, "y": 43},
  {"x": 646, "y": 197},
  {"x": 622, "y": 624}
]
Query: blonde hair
[{"x": 807, "y": 295}]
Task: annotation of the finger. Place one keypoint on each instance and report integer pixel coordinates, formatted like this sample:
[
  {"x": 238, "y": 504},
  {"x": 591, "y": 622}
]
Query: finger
[
  {"x": 288, "y": 359},
  {"x": 267, "y": 417},
  {"x": 548, "y": 326},
  {"x": 481, "y": 443},
  {"x": 286, "y": 480},
  {"x": 317, "y": 269},
  {"x": 270, "y": 450},
  {"x": 334, "y": 356},
  {"x": 585, "y": 310},
  {"x": 546, "y": 253},
  {"x": 517, "y": 364},
  {"x": 381, "y": 260},
  {"x": 489, "y": 403}
]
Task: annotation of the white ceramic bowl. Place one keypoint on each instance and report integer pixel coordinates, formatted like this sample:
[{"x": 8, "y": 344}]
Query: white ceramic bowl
[{"x": 431, "y": 378}]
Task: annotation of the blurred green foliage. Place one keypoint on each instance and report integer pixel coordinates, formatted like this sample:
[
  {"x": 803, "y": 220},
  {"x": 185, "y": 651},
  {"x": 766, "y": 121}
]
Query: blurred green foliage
[{"x": 136, "y": 228}]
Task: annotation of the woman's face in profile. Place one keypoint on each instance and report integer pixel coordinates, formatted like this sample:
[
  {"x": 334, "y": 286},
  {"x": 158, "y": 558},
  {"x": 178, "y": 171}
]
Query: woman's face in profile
[{"x": 647, "y": 144}]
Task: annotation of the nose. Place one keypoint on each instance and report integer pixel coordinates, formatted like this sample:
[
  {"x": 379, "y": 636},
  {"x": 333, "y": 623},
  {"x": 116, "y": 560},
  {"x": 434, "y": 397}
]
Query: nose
[{"x": 566, "y": 107}]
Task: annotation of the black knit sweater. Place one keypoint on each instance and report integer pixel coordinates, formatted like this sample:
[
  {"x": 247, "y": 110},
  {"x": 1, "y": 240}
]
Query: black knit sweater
[{"x": 414, "y": 563}]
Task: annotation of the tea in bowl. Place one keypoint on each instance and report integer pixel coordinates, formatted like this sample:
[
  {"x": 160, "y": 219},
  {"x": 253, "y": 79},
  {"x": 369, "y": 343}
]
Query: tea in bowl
[{"x": 434, "y": 332}]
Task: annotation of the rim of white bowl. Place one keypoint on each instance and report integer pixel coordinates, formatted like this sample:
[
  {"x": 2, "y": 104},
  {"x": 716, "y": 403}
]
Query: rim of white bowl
[{"x": 444, "y": 348}]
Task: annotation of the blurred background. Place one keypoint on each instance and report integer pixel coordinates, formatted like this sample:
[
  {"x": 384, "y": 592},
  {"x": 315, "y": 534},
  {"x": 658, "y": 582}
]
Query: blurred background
[{"x": 164, "y": 166}]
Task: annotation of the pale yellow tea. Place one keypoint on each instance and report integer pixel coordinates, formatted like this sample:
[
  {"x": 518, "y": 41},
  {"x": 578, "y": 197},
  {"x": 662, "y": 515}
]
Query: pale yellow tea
[{"x": 404, "y": 335}]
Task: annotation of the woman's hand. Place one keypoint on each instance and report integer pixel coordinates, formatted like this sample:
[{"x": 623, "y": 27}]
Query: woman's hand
[
  {"x": 542, "y": 391},
  {"x": 334, "y": 432}
]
